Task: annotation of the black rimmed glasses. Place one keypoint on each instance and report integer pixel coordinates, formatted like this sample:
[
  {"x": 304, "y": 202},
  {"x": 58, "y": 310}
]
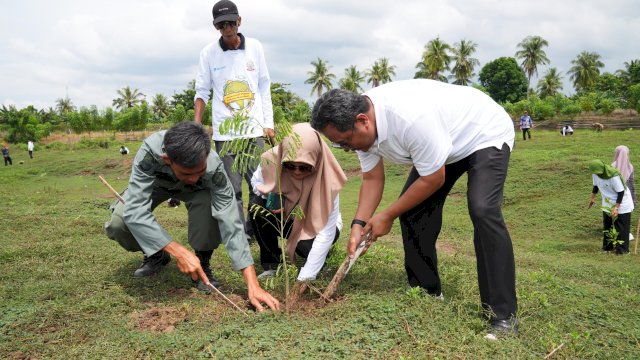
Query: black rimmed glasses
[
  {"x": 346, "y": 143},
  {"x": 302, "y": 168},
  {"x": 224, "y": 24}
]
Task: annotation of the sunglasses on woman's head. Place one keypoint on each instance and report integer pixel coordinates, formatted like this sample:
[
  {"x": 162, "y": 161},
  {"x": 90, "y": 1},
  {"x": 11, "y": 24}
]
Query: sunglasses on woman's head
[{"x": 302, "y": 168}]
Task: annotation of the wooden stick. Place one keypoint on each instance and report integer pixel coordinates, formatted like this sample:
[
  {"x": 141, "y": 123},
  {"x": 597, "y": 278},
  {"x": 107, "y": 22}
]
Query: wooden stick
[
  {"x": 117, "y": 195},
  {"x": 113, "y": 191},
  {"x": 553, "y": 352},
  {"x": 337, "y": 278},
  {"x": 228, "y": 300},
  {"x": 635, "y": 246},
  {"x": 316, "y": 290}
]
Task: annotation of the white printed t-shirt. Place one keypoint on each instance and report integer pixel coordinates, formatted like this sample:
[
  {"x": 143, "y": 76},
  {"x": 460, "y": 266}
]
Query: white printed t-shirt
[
  {"x": 241, "y": 83},
  {"x": 428, "y": 124},
  {"x": 609, "y": 188}
]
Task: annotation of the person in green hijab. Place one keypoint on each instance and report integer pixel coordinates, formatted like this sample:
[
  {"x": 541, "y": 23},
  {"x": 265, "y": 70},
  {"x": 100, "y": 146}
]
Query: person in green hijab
[{"x": 617, "y": 204}]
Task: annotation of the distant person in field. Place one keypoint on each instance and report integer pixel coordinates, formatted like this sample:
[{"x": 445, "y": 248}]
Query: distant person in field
[
  {"x": 311, "y": 178},
  {"x": 617, "y": 204},
  {"x": 124, "y": 150},
  {"x": 442, "y": 131},
  {"x": 234, "y": 67},
  {"x": 566, "y": 130},
  {"x": 526, "y": 123},
  {"x": 178, "y": 163},
  {"x": 30, "y": 147},
  {"x": 6, "y": 156}
]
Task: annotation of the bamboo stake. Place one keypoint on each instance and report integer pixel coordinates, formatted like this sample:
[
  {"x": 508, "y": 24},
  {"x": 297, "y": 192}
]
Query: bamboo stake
[
  {"x": 553, "y": 352},
  {"x": 226, "y": 298},
  {"x": 635, "y": 246},
  {"x": 117, "y": 195},
  {"x": 113, "y": 191}
]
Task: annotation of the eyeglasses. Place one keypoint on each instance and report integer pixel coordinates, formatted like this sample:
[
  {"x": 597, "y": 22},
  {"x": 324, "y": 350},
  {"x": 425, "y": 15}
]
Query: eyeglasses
[
  {"x": 292, "y": 167},
  {"x": 224, "y": 24},
  {"x": 346, "y": 144}
]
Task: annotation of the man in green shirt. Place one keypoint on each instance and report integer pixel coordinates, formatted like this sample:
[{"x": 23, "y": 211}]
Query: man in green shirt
[{"x": 178, "y": 164}]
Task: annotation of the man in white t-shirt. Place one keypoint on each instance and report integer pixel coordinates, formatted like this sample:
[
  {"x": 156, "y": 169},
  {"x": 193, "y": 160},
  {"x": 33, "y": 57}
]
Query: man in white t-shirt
[
  {"x": 443, "y": 131},
  {"x": 234, "y": 67}
]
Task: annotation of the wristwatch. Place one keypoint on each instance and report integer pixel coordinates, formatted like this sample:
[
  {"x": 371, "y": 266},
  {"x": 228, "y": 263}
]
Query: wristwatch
[{"x": 358, "y": 222}]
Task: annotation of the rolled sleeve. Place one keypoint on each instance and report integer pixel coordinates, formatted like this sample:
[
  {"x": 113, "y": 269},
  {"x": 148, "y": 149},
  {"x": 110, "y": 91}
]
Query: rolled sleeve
[
  {"x": 225, "y": 211},
  {"x": 203, "y": 78}
]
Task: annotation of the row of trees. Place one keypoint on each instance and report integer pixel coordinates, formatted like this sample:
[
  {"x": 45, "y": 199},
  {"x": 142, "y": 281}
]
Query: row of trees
[
  {"x": 503, "y": 78},
  {"x": 130, "y": 112}
]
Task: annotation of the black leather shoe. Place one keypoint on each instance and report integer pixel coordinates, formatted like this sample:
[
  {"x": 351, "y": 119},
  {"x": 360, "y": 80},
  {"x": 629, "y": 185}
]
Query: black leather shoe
[
  {"x": 504, "y": 327},
  {"x": 152, "y": 264}
]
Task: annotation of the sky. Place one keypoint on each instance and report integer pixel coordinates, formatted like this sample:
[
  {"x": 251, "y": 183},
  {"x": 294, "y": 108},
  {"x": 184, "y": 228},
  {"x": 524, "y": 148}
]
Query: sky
[{"x": 88, "y": 49}]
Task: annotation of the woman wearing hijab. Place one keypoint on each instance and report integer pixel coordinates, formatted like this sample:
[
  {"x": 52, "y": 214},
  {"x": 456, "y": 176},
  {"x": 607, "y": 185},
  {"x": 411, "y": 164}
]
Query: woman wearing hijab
[
  {"x": 616, "y": 203},
  {"x": 622, "y": 164},
  {"x": 310, "y": 178}
]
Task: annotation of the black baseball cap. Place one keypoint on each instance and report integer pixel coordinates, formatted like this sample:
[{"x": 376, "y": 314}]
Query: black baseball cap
[{"x": 224, "y": 10}]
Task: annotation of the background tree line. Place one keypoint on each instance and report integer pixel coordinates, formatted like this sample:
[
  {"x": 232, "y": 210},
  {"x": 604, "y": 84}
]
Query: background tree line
[
  {"x": 130, "y": 111},
  {"x": 504, "y": 79}
]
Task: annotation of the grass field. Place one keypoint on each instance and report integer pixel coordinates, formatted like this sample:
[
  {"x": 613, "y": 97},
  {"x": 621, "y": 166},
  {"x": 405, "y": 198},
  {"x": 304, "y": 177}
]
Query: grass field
[{"x": 66, "y": 291}]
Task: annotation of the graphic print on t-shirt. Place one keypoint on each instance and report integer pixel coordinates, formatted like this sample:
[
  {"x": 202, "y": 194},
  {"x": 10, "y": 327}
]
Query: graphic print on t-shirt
[{"x": 238, "y": 96}]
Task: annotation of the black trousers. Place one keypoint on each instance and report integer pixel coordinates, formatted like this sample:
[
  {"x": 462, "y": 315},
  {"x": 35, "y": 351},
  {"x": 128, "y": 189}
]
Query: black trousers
[
  {"x": 266, "y": 230},
  {"x": 526, "y": 132},
  {"x": 623, "y": 225},
  {"x": 487, "y": 171}
]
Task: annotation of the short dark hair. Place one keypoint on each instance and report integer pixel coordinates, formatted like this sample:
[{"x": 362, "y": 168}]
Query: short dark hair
[
  {"x": 187, "y": 144},
  {"x": 338, "y": 108}
]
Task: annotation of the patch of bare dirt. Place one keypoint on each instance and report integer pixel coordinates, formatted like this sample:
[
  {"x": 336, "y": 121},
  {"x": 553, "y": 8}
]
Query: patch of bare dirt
[
  {"x": 445, "y": 247},
  {"x": 19, "y": 355},
  {"x": 353, "y": 173},
  {"x": 158, "y": 319}
]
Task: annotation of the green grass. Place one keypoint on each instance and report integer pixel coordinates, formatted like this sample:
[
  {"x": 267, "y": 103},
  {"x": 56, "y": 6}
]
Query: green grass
[{"x": 66, "y": 291}]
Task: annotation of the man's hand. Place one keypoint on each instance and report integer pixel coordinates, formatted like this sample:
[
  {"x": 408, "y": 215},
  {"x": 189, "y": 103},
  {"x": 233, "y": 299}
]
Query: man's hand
[
  {"x": 270, "y": 135},
  {"x": 187, "y": 261},
  {"x": 591, "y": 202},
  {"x": 614, "y": 212},
  {"x": 257, "y": 295}
]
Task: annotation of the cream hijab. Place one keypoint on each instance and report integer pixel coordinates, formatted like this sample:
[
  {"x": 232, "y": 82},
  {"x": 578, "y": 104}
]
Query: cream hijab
[
  {"x": 315, "y": 193},
  {"x": 621, "y": 162}
]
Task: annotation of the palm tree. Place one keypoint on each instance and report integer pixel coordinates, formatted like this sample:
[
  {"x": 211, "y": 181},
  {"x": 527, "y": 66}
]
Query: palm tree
[
  {"x": 631, "y": 72},
  {"x": 351, "y": 80},
  {"x": 64, "y": 105},
  {"x": 320, "y": 77},
  {"x": 462, "y": 71},
  {"x": 532, "y": 55},
  {"x": 160, "y": 106},
  {"x": 550, "y": 84},
  {"x": 585, "y": 70},
  {"x": 435, "y": 60},
  {"x": 128, "y": 98},
  {"x": 380, "y": 72}
]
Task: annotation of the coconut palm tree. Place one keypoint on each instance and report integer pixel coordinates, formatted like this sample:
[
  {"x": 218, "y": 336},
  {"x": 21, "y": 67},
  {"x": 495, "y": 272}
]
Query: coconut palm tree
[
  {"x": 550, "y": 84},
  {"x": 128, "y": 98},
  {"x": 462, "y": 71},
  {"x": 631, "y": 72},
  {"x": 64, "y": 105},
  {"x": 320, "y": 77},
  {"x": 585, "y": 70},
  {"x": 352, "y": 79},
  {"x": 532, "y": 55},
  {"x": 160, "y": 106},
  {"x": 435, "y": 60},
  {"x": 380, "y": 72}
]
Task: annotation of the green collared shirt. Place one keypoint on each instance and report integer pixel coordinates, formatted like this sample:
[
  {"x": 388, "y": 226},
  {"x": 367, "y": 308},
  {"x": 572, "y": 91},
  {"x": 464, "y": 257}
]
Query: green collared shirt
[{"x": 149, "y": 171}]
